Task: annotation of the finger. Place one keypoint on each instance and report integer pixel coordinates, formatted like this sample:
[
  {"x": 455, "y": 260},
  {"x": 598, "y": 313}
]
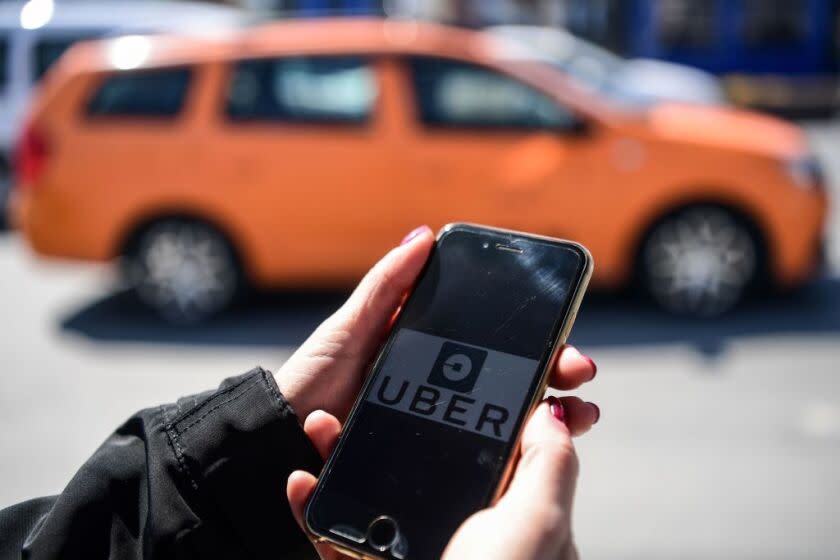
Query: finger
[
  {"x": 573, "y": 369},
  {"x": 545, "y": 477},
  {"x": 356, "y": 329},
  {"x": 369, "y": 310},
  {"x": 323, "y": 429},
  {"x": 299, "y": 489},
  {"x": 579, "y": 414},
  {"x": 346, "y": 340}
]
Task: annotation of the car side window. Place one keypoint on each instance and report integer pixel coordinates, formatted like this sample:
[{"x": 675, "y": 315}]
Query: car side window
[
  {"x": 305, "y": 89},
  {"x": 451, "y": 93},
  {"x": 156, "y": 93}
]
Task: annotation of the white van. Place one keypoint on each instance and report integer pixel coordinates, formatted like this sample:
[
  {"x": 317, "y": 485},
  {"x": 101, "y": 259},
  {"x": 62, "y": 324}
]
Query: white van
[
  {"x": 34, "y": 34},
  {"x": 628, "y": 81}
]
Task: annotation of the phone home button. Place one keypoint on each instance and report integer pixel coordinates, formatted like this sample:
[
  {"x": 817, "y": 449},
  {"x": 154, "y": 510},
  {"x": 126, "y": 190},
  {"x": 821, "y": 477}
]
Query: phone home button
[{"x": 382, "y": 533}]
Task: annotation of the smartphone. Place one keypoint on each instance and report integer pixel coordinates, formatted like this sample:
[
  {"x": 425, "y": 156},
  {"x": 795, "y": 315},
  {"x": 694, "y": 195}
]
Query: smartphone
[{"x": 433, "y": 435}]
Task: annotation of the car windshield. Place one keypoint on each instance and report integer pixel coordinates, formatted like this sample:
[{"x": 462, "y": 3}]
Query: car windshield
[{"x": 594, "y": 67}]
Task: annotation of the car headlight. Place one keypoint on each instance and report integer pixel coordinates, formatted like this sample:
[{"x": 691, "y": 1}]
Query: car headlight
[{"x": 805, "y": 172}]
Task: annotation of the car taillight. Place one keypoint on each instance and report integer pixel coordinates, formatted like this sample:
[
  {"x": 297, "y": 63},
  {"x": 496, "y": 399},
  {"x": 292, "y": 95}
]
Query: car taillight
[{"x": 31, "y": 155}]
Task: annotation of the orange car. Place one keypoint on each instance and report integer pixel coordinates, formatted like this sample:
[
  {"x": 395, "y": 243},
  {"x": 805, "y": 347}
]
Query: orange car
[{"x": 295, "y": 154}]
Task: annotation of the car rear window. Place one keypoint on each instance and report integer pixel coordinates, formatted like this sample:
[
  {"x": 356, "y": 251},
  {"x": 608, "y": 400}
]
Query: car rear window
[
  {"x": 320, "y": 89},
  {"x": 157, "y": 93}
]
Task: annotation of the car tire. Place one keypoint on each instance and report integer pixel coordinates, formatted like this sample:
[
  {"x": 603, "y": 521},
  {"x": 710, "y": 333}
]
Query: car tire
[
  {"x": 701, "y": 261},
  {"x": 186, "y": 270}
]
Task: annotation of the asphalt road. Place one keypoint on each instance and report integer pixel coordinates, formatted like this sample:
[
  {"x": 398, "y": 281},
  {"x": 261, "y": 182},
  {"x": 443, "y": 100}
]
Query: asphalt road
[{"x": 719, "y": 439}]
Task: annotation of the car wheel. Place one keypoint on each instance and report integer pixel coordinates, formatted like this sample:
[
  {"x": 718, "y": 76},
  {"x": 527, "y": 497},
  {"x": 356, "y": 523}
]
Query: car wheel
[
  {"x": 184, "y": 269},
  {"x": 700, "y": 261}
]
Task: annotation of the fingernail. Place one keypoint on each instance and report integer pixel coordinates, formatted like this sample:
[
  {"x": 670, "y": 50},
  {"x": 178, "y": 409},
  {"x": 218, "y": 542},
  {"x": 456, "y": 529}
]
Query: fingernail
[
  {"x": 556, "y": 408},
  {"x": 414, "y": 233},
  {"x": 594, "y": 367},
  {"x": 597, "y": 411}
]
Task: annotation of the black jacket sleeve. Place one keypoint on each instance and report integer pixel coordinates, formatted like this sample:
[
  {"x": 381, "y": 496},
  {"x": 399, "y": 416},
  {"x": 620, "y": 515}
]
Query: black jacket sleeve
[{"x": 201, "y": 478}]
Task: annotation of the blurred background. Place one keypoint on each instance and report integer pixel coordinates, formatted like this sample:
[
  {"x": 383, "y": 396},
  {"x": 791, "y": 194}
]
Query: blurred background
[{"x": 190, "y": 188}]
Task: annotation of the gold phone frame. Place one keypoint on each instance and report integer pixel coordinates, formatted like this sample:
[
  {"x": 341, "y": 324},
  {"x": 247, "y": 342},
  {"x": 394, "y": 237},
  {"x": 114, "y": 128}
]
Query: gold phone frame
[{"x": 536, "y": 398}]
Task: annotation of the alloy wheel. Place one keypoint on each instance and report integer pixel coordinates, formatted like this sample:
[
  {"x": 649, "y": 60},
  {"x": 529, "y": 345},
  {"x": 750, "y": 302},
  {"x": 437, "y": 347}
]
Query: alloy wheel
[
  {"x": 185, "y": 270},
  {"x": 700, "y": 261}
]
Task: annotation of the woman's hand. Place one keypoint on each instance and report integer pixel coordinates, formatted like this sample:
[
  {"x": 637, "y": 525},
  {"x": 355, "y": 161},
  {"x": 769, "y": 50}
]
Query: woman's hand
[
  {"x": 322, "y": 379},
  {"x": 327, "y": 371},
  {"x": 532, "y": 521}
]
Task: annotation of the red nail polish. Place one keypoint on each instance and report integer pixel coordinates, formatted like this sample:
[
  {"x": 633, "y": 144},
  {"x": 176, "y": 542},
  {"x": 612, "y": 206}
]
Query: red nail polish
[
  {"x": 414, "y": 233},
  {"x": 556, "y": 408},
  {"x": 594, "y": 367},
  {"x": 597, "y": 412}
]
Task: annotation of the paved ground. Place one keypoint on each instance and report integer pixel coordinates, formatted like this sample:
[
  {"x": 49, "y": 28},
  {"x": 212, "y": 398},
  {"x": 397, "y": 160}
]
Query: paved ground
[{"x": 718, "y": 439}]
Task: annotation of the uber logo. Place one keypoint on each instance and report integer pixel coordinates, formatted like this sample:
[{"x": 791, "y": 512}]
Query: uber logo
[
  {"x": 457, "y": 367},
  {"x": 473, "y": 389}
]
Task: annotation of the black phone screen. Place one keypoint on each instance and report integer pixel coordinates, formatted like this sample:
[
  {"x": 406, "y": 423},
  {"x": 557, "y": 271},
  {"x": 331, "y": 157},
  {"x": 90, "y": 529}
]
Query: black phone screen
[{"x": 429, "y": 441}]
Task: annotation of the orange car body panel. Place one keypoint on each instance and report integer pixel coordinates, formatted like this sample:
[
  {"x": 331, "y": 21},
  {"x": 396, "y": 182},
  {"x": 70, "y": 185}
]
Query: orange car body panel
[{"x": 317, "y": 205}]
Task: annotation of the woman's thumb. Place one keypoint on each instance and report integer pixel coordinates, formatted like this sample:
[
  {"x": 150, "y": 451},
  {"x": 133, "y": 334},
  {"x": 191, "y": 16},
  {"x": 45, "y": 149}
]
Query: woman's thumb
[
  {"x": 546, "y": 474},
  {"x": 366, "y": 314}
]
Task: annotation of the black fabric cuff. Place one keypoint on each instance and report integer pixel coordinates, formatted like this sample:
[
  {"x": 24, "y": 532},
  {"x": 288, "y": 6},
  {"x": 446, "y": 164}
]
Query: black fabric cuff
[{"x": 236, "y": 449}]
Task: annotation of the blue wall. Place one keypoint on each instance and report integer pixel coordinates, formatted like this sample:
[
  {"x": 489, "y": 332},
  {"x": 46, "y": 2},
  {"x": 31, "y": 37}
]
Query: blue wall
[
  {"x": 306, "y": 8},
  {"x": 729, "y": 52}
]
